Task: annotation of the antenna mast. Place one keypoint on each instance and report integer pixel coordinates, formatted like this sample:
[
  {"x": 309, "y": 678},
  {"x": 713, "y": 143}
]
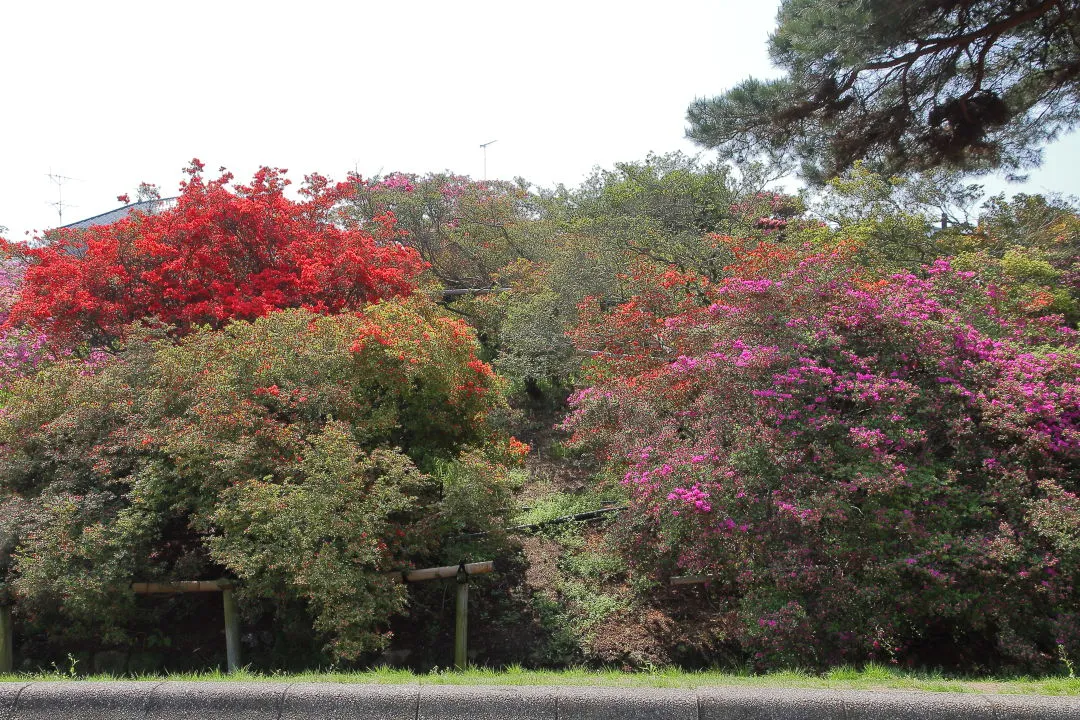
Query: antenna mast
[
  {"x": 59, "y": 181},
  {"x": 484, "y": 146}
]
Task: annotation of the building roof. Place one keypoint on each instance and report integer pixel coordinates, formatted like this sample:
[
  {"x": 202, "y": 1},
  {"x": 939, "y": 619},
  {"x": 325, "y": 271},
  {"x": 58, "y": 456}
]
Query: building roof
[{"x": 147, "y": 206}]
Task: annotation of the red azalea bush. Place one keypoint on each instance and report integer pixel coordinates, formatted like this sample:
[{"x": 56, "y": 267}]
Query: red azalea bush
[
  {"x": 221, "y": 253},
  {"x": 870, "y": 469}
]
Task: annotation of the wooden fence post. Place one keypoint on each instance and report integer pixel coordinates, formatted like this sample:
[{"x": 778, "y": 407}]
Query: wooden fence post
[
  {"x": 232, "y": 629},
  {"x": 461, "y": 618},
  {"x": 225, "y": 587},
  {"x": 461, "y": 625},
  {"x": 7, "y": 640}
]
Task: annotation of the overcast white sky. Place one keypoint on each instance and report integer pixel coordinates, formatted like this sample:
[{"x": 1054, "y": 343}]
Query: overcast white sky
[{"x": 112, "y": 93}]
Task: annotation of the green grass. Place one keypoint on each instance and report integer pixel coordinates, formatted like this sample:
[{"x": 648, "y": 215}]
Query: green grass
[
  {"x": 556, "y": 505},
  {"x": 870, "y": 678}
]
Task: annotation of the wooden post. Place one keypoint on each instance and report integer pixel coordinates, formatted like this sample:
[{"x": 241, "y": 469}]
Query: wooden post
[
  {"x": 7, "y": 632},
  {"x": 449, "y": 571},
  {"x": 461, "y": 625},
  {"x": 225, "y": 587},
  {"x": 179, "y": 586},
  {"x": 461, "y": 619},
  {"x": 692, "y": 580},
  {"x": 232, "y": 629}
]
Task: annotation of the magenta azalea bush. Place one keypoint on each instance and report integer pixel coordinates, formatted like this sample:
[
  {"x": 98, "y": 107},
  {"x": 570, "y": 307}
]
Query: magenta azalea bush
[
  {"x": 870, "y": 469},
  {"x": 21, "y": 349}
]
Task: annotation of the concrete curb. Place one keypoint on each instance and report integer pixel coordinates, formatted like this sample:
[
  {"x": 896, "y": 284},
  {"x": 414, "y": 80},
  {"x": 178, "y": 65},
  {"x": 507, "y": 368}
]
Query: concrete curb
[
  {"x": 9, "y": 694},
  {"x": 215, "y": 701},
  {"x": 334, "y": 701},
  {"x": 170, "y": 700},
  {"x": 83, "y": 701},
  {"x": 477, "y": 702}
]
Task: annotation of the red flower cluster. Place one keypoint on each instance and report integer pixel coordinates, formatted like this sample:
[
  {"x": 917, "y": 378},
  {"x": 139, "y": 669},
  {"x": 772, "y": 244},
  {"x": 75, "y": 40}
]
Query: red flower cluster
[{"x": 221, "y": 253}]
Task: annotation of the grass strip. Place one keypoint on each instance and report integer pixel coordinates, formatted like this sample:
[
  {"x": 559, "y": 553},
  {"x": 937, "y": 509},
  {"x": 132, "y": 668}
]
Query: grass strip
[{"x": 873, "y": 677}]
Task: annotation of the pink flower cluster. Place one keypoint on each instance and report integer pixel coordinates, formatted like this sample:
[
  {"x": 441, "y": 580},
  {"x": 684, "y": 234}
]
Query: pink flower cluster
[
  {"x": 877, "y": 455},
  {"x": 693, "y": 496}
]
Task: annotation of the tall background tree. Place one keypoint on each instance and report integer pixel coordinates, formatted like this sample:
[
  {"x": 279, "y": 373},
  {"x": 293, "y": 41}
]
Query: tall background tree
[{"x": 975, "y": 84}]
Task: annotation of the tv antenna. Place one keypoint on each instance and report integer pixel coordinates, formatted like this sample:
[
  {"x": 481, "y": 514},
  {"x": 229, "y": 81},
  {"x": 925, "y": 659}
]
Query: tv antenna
[
  {"x": 59, "y": 181},
  {"x": 484, "y": 146}
]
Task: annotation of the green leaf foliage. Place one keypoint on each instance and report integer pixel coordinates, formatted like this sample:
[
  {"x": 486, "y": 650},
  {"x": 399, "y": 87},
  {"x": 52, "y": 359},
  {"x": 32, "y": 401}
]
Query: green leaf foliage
[
  {"x": 973, "y": 84},
  {"x": 294, "y": 452}
]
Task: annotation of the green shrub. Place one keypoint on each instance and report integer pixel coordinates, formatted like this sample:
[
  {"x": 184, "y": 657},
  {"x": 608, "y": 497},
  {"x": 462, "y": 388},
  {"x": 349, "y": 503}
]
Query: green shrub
[{"x": 307, "y": 455}]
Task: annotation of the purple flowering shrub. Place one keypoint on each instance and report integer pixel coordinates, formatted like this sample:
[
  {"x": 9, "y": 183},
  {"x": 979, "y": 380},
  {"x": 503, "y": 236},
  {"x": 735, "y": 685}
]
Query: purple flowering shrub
[
  {"x": 878, "y": 470},
  {"x": 21, "y": 349}
]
